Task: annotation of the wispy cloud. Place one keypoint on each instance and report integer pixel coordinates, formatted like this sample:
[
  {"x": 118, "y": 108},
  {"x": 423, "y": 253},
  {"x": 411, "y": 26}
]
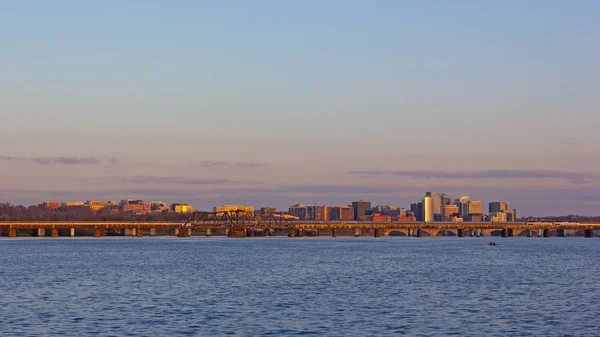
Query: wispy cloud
[
  {"x": 45, "y": 161},
  {"x": 174, "y": 180},
  {"x": 182, "y": 180},
  {"x": 227, "y": 164},
  {"x": 574, "y": 177}
]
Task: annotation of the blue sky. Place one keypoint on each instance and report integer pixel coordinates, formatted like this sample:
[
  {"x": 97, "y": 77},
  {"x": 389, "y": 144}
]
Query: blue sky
[{"x": 277, "y": 102}]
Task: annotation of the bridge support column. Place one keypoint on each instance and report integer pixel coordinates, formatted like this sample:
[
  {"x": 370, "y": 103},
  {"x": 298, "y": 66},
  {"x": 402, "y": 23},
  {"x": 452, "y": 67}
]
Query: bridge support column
[
  {"x": 72, "y": 232},
  {"x": 504, "y": 233},
  {"x": 152, "y": 231},
  {"x": 97, "y": 232},
  {"x": 292, "y": 233},
  {"x": 208, "y": 232},
  {"x": 562, "y": 233},
  {"x": 127, "y": 232},
  {"x": 133, "y": 232},
  {"x": 460, "y": 233},
  {"x": 12, "y": 232},
  {"x": 419, "y": 233},
  {"x": 588, "y": 233},
  {"x": 334, "y": 233},
  {"x": 357, "y": 233},
  {"x": 301, "y": 233},
  {"x": 511, "y": 233},
  {"x": 41, "y": 232},
  {"x": 547, "y": 233},
  {"x": 529, "y": 233},
  {"x": 177, "y": 231},
  {"x": 139, "y": 232},
  {"x": 54, "y": 233},
  {"x": 377, "y": 233}
]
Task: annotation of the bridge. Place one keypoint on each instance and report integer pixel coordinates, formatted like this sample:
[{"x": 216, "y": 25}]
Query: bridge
[{"x": 241, "y": 224}]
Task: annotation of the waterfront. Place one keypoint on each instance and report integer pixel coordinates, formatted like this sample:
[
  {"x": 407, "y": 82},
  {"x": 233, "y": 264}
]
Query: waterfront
[{"x": 310, "y": 286}]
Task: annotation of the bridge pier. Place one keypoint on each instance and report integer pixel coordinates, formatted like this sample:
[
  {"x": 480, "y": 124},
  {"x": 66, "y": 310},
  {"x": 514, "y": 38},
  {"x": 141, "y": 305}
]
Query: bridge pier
[
  {"x": 377, "y": 233},
  {"x": 152, "y": 231},
  {"x": 419, "y": 233},
  {"x": 54, "y": 233},
  {"x": 504, "y": 233},
  {"x": 588, "y": 233},
  {"x": 292, "y": 233},
  {"x": 72, "y": 232},
  {"x": 127, "y": 231},
  {"x": 12, "y": 232},
  {"x": 139, "y": 232},
  {"x": 41, "y": 232},
  {"x": 511, "y": 233},
  {"x": 334, "y": 233},
  {"x": 97, "y": 232},
  {"x": 529, "y": 233},
  {"x": 561, "y": 233},
  {"x": 357, "y": 233},
  {"x": 133, "y": 232},
  {"x": 208, "y": 232},
  {"x": 547, "y": 233},
  {"x": 460, "y": 233}
]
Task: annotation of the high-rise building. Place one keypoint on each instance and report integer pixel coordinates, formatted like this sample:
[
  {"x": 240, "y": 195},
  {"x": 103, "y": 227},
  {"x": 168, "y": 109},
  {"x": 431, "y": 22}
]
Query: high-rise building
[
  {"x": 446, "y": 200},
  {"x": 461, "y": 202},
  {"x": 343, "y": 213},
  {"x": 448, "y": 211},
  {"x": 318, "y": 213},
  {"x": 498, "y": 206},
  {"x": 437, "y": 205},
  {"x": 428, "y": 214},
  {"x": 474, "y": 207},
  {"x": 419, "y": 211},
  {"x": 298, "y": 210},
  {"x": 360, "y": 208}
]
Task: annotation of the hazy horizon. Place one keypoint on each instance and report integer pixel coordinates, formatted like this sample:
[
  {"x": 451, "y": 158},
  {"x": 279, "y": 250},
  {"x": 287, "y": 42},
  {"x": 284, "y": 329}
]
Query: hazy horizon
[{"x": 272, "y": 103}]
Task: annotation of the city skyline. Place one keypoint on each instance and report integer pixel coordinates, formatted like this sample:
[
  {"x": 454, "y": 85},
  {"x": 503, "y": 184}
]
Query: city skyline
[{"x": 274, "y": 103}]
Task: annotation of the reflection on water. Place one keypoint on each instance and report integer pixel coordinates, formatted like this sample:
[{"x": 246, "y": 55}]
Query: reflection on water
[{"x": 311, "y": 286}]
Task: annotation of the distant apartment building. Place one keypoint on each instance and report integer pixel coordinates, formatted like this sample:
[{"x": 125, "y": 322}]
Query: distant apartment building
[
  {"x": 50, "y": 205},
  {"x": 474, "y": 218},
  {"x": 298, "y": 210},
  {"x": 406, "y": 218},
  {"x": 498, "y": 207},
  {"x": 268, "y": 210},
  {"x": 341, "y": 213},
  {"x": 377, "y": 217},
  {"x": 318, "y": 213},
  {"x": 73, "y": 204},
  {"x": 448, "y": 211},
  {"x": 158, "y": 206},
  {"x": 498, "y": 217},
  {"x": 182, "y": 208},
  {"x": 361, "y": 208},
  {"x": 95, "y": 205},
  {"x": 234, "y": 208},
  {"x": 135, "y": 206}
]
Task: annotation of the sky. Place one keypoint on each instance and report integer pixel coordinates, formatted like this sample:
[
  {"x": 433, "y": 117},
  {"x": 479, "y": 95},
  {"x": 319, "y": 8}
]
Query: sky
[{"x": 272, "y": 103}]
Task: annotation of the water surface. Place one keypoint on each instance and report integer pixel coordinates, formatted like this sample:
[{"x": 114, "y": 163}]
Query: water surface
[{"x": 302, "y": 286}]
